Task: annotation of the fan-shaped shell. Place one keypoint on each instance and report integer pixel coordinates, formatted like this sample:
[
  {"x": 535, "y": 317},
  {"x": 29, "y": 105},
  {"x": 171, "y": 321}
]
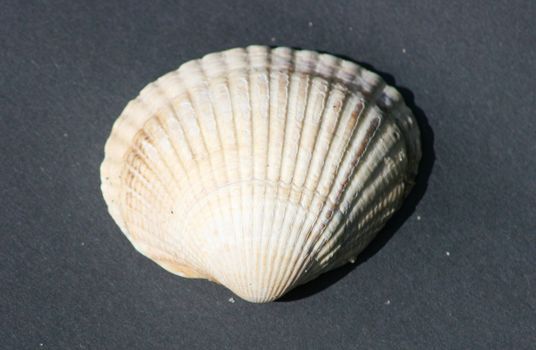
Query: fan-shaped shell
[{"x": 259, "y": 168}]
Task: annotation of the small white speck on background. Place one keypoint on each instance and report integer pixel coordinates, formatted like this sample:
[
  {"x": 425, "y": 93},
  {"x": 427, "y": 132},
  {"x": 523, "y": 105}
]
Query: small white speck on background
[
  {"x": 82, "y": 244},
  {"x": 310, "y": 24},
  {"x": 403, "y": 50},
  {"x": 272, "y": 39},
  {"x": 350, "y": 28},
  {"x": 65, "y": 134},
  {"x": 387, "y": 302},
  {"x": 418, "y": 217},
  {"x": 231, "y": 300},
  {"x": 447, "y": 253},
  {"x": 40, "y": 344}
]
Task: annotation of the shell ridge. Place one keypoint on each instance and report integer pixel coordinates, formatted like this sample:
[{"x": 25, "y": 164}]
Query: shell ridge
[
  {"x": 249, "y": 261},
  {"x": 238, "y": 228},
  {"x": 313, "y": 226},
  {"x": 260, "y": 57},
  {"x": 202, "y": 84},
  {"x": 112, "y": 166},
  {"x": 323, "y": 163},
  {"x": 350, "y": 247},
  {"x": 243, "y": 85},
  {"x": 281, "y": 212},
  {"x": 248, "y": 200},
  {"x": 268, "y": 136},
  {"x": 298, "y": 223},
  {"x": 343, "y": 145},
  {"x": 354, "y": 159},
  {"x": 291, "y": 182},
  {"x": 382, "y": 175},
  {"x": 188, "y": 248},
  {"x": 279, "y": 84},
  {"x": 117, "y": 145},
  {"x": 404, "y": 120},
  {"x": 212, "y": 102},
  {"x": 177, "y": 173},
  {"x": 337, "y": 166},
  {"x": 251, "y": 245},
  {"x": 175, "y": 153},
  {"x": 144, "y": 202},
  {"x": 326, "y": 118},
  {"x": 194, "y": 244},
  {"x": 409, "y": 132},
  {"x": 389, "y": 180},
  {"x": 347, "y": 157},
  {"x": 361, "y": 194},
  {"x": 139, "y": 151},
  {"x": 217, "y": 116},
  {"x": 351, "y": 194},
  {"x": 316, "y": 131},
  {"x": 230, "y": 197},
  {"x": 149, "y": 164},
  {"x": 169, "y": 167},
  {"x": 173, "y": 147},
  {"x": 135, "y": 174},
  {"x": 237, "y": 62},
  {"x": 320, "y": 225},
  {"x": 145, "y": 184}
]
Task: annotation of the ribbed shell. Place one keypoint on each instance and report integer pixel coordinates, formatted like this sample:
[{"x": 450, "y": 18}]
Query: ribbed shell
[{"x": 259, "y": 168}]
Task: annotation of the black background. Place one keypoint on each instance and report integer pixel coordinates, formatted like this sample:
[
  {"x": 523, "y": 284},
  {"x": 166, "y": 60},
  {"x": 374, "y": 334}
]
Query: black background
[{"x": 454, "y": 269}]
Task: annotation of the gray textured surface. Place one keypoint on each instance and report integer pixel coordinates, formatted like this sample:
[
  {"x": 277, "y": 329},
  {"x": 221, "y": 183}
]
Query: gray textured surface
[{"x": 455, "y": 269}]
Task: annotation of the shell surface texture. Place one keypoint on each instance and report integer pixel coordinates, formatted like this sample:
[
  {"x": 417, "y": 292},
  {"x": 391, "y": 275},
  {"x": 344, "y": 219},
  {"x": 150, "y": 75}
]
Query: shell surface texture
[{"x": 259, "y": 168}]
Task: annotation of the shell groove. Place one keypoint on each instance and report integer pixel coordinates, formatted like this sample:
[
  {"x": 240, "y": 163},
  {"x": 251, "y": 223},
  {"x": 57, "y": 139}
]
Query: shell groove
[{"x": 259, "y": 168}]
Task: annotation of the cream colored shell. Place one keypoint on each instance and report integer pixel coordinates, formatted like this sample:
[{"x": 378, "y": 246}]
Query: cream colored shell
[{"x": 259, "y": 168}]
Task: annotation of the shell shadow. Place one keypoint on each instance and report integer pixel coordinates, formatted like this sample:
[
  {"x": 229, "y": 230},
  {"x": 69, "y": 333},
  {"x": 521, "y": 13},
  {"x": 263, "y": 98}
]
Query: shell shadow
[{"x": 399, "y": 217}]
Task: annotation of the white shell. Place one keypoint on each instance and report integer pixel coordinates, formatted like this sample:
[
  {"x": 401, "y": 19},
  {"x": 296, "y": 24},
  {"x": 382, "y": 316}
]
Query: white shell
[{"x": 259, "y": 168}]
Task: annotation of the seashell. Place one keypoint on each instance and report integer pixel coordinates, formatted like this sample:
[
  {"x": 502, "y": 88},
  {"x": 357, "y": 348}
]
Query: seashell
[{"x": 259, "y": 168}]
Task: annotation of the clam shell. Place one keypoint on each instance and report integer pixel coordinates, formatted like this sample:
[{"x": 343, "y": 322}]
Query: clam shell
[{"x": 259, "y": 168}]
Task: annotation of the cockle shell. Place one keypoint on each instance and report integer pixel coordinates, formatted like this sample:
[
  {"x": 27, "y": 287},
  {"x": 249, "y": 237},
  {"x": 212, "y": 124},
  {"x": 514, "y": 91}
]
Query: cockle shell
[{"x": 259, "y": 168}]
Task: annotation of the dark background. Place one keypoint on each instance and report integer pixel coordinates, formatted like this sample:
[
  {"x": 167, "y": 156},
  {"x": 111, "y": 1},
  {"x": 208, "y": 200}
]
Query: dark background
[{"x": 454, "y": 269}]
